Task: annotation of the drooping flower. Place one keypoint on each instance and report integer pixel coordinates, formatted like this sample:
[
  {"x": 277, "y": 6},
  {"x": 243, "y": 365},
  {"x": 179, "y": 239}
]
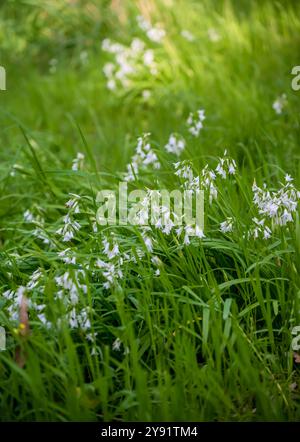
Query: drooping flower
[
  {"x": 226, "y": 166},
  {"x": 77, "y": 163},
  {"x": 144, "y": 157},
  {"x": 226, "y": 226},
  {"x": 195, "y": 122},
  {"x": 176, "y": 144}
]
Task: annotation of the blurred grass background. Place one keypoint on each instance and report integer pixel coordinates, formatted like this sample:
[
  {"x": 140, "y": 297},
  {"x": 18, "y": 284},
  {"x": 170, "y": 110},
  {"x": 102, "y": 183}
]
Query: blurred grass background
[{"x": 236, "y": 79}]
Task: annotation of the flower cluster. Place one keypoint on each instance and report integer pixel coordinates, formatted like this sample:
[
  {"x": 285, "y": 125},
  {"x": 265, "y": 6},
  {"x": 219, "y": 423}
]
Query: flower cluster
[
  {"x": 207, "y": 180},
  {"x": 175, "y": 145},
  {"x": 128, "y": 62},
  {"x": 71, "y": 226},
  {"x": 111, "y": 269},
  {"x": 71, "y": 294},
  {"x": 275, "y": 208},
  {"x": 195, "y": 122},
  {"x": 71, "y": 283},
  {"x": 226, "y": 166},
  {"x": 183, "y": 169},
  {"x": 154, "y": 33},
  {"x": 144, "y": 156},
  {"x": 15, "y": 297}
]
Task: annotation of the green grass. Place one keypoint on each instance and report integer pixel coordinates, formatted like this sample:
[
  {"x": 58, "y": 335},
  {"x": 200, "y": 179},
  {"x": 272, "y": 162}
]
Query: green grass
[{"x": 210, "y": 337}]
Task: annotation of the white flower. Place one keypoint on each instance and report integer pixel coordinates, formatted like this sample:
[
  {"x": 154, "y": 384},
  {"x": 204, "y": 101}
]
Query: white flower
[
  {"x": 28, "y": 217},
  {"x": 34, "y": 280},
  {"x": 111, "y": 270},
  {"x": 226, "y": 226},
  {"x": 110, "y": 250},
  {"x": 195, "y": 122},
  {"x": 146, "y": 94},
  {"x": 128, "y": 62},
  {"x": 147, "y": 241},
  {"x": 154, "y": 33},
  {"x": 275, "y": 208},
  {"x": 176, "y": 144},
  {"x": 111, "y": 273},
  {"x": 77, "y": 163},
  {"x": 73, "y": 203},
  {"x": 226, "y": 165},
  {"x": 279, "y": 104},
  {"x": 14, "y": 298},
  {"x": 277, "y": 205},
  {"x": 207, "y": 182},
  {"x": 183, "y": 170},
  {"x": 144, "y": 157},
  {"x": 117, "y": 344},
  {"x": 187, "y": 35},
  {"x": 70, "y": 225},
  {"x": 67, "y": 256}
]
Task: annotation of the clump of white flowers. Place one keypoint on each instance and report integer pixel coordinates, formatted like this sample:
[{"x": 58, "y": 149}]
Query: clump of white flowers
[
  {"x": 188, "y": 231},
  {"x": 154, "y": 33},
  {"x": 111, "y": 269},
  {"x": 272, "y": 209},
  {"x": 14, "y": 299},
  {"x": 77, "y": 163},
  {"x": 128, "y": 62},
  {"x": 71, "y": 294},
  {"x": 276, "y": 207},
  {"x": 259, "y": 229},
  {"x": 279, "y": 104},
  {"x": 195, "y": 122},
  {"x": 176, "y": 144},
  {"x": 183, "y": 169},
  {"x": 144, "y": 157},
  {"x": 71, "y": 226},
  {"x": 227, "y": 225},
  {"x": 71, "y": 283},
  {"x": 208, "y": 177},
  {"x": 67, "y": 256}
]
